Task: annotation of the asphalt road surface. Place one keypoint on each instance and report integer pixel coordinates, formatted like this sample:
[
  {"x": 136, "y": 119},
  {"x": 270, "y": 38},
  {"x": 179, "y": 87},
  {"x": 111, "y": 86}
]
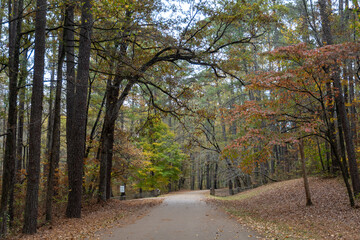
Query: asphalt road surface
[{"x": 182, "y": 216}]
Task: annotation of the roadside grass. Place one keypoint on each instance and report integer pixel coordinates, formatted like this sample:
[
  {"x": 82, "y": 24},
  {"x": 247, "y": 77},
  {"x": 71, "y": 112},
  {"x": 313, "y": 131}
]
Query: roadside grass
[{"x": 278, "y": 211}]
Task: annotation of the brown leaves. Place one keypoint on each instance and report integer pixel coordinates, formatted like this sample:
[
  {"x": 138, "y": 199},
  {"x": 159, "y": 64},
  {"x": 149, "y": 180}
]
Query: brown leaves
[
  {"x": 95, "y": 218},
  {"x": 278, "y": 210}
]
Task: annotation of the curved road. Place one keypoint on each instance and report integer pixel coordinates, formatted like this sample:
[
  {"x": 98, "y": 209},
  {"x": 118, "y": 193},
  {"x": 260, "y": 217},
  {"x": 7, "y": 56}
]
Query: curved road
[{"x": 182, "y": 216}]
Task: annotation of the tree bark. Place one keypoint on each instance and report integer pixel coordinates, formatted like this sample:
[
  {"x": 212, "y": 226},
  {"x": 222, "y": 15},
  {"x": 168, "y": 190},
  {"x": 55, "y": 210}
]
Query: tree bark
[
  {"x": 303, "y": 167},
  {"x": 70, "y": 84},
  {"x": 113, "y": 105},
  {"x": 21, "y": 114},
  {"x": 339, "y": 98},
  {"x": 9, "y": 164},
  {"x": 50, "y": 129},
  {"x": 54, "y": 156},
  {"x": 192, "y": 172},
  {"x": 207, "y": 169},
  {"x": 76, "y": 143},
  {"x": 33, "y": 177}
]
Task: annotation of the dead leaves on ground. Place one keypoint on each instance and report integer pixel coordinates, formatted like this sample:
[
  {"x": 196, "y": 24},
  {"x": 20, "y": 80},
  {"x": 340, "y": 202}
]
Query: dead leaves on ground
[
  {"x": 95, "y": 217},
  {"x": 279, "y": 211}
]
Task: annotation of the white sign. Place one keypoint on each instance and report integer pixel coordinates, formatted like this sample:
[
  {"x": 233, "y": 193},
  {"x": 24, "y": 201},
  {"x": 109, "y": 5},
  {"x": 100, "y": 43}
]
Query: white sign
[{"x": 122, "y": 189}]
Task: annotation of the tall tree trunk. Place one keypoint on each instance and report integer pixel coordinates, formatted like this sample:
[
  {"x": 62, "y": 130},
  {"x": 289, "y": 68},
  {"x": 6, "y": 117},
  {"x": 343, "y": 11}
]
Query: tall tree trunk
[
  {"x": 21, "y": 115},
  {"x": 339, "y": 98},
  {"x": 113, "y": 105},
  {"x": 70, "y": 83},
  {"x": 353, "y": 115},
  {"x": 32, "y": 190},
  {"x": 54, "y": 156},
  {"x": 50, "y": 129},
  {"x": 9, "y": 164},
  {"x": 76, "y": 145}
]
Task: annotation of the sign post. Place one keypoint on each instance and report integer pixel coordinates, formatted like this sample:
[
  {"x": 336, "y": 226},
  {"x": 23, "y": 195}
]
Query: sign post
[{"x": 122, "y": 192}]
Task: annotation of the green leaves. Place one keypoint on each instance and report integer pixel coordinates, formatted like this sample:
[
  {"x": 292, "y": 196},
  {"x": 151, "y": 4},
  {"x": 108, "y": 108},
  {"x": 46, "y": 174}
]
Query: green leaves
[{"x": 162, "y": 153}]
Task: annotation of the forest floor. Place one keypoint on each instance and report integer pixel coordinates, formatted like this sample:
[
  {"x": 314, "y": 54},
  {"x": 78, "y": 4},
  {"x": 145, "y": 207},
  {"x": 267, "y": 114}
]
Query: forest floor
[
  {"x": 95, "y": 217},
  {"x": 278, "y": 211}
]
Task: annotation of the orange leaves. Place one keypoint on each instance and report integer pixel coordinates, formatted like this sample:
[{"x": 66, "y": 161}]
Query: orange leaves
[{"x": 249, "y": 111}]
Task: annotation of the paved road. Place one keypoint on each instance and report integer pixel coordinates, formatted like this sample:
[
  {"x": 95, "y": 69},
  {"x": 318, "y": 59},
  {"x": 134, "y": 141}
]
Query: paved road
[{"x": 182, "y": 216}]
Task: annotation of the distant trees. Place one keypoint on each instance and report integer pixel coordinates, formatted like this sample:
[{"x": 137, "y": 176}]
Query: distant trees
[{"x": 162, "y": 154}]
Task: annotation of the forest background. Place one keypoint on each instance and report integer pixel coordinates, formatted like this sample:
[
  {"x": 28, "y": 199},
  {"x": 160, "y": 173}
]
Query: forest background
[{"x": 166, "y": 96}]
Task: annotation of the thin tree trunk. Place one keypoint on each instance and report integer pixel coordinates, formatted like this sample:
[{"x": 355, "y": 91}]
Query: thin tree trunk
[
  {"x": 215, "y": 179},
  {"x": 231, "y": 191},
  {"x": 199, "y": 175},
  {"x": 342, "y": 147},
  {"x": 54, "y": 156},
  {"x": 33, "y": 177},
  {"x": 50, "y": 128},
  {"x": 93, "y": 130},
  {"x": 208, "y": 181},
  {"x": 303, "y": 166},
  {"x": 21, "y": 115},
  {"x": 192, "y": 173},
  {"x": 353, "y": 115},
  {"x": 320, "y": 155}
]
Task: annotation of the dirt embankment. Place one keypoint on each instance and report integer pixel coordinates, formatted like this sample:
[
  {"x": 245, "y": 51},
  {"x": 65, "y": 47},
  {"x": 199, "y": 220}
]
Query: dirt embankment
[{"x": 278, "y": 210}]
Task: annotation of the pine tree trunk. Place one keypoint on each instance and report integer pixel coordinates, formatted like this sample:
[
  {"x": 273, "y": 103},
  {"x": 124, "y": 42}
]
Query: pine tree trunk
[
  {"x": 76, "y": 143},
  {"x": 54, "y": 155},
  {"x": 21, "y": 114},
  {"x": 50, "y": 126},
  {"x": 340, "y": 103},
  {"x": 9, "y": 164},
  {"x": 33, "y": 177},
  {"x": 70, "y": 83}
]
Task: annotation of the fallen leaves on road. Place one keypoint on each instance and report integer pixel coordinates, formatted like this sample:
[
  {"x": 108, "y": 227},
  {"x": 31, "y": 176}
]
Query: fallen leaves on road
[
  {"x": 278, "y": 210},
  {"x": 95, "y": 218}
]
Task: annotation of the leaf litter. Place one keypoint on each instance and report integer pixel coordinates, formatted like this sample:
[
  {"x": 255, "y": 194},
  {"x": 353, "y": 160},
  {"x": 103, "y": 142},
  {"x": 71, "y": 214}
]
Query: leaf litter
[
  {"x": 278, "y": 211},
  {"x": 96, "y": 217}
]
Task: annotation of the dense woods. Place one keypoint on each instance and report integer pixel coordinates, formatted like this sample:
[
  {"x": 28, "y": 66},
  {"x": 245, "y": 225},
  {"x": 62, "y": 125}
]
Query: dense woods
[{"x": 165, "y": 95}]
